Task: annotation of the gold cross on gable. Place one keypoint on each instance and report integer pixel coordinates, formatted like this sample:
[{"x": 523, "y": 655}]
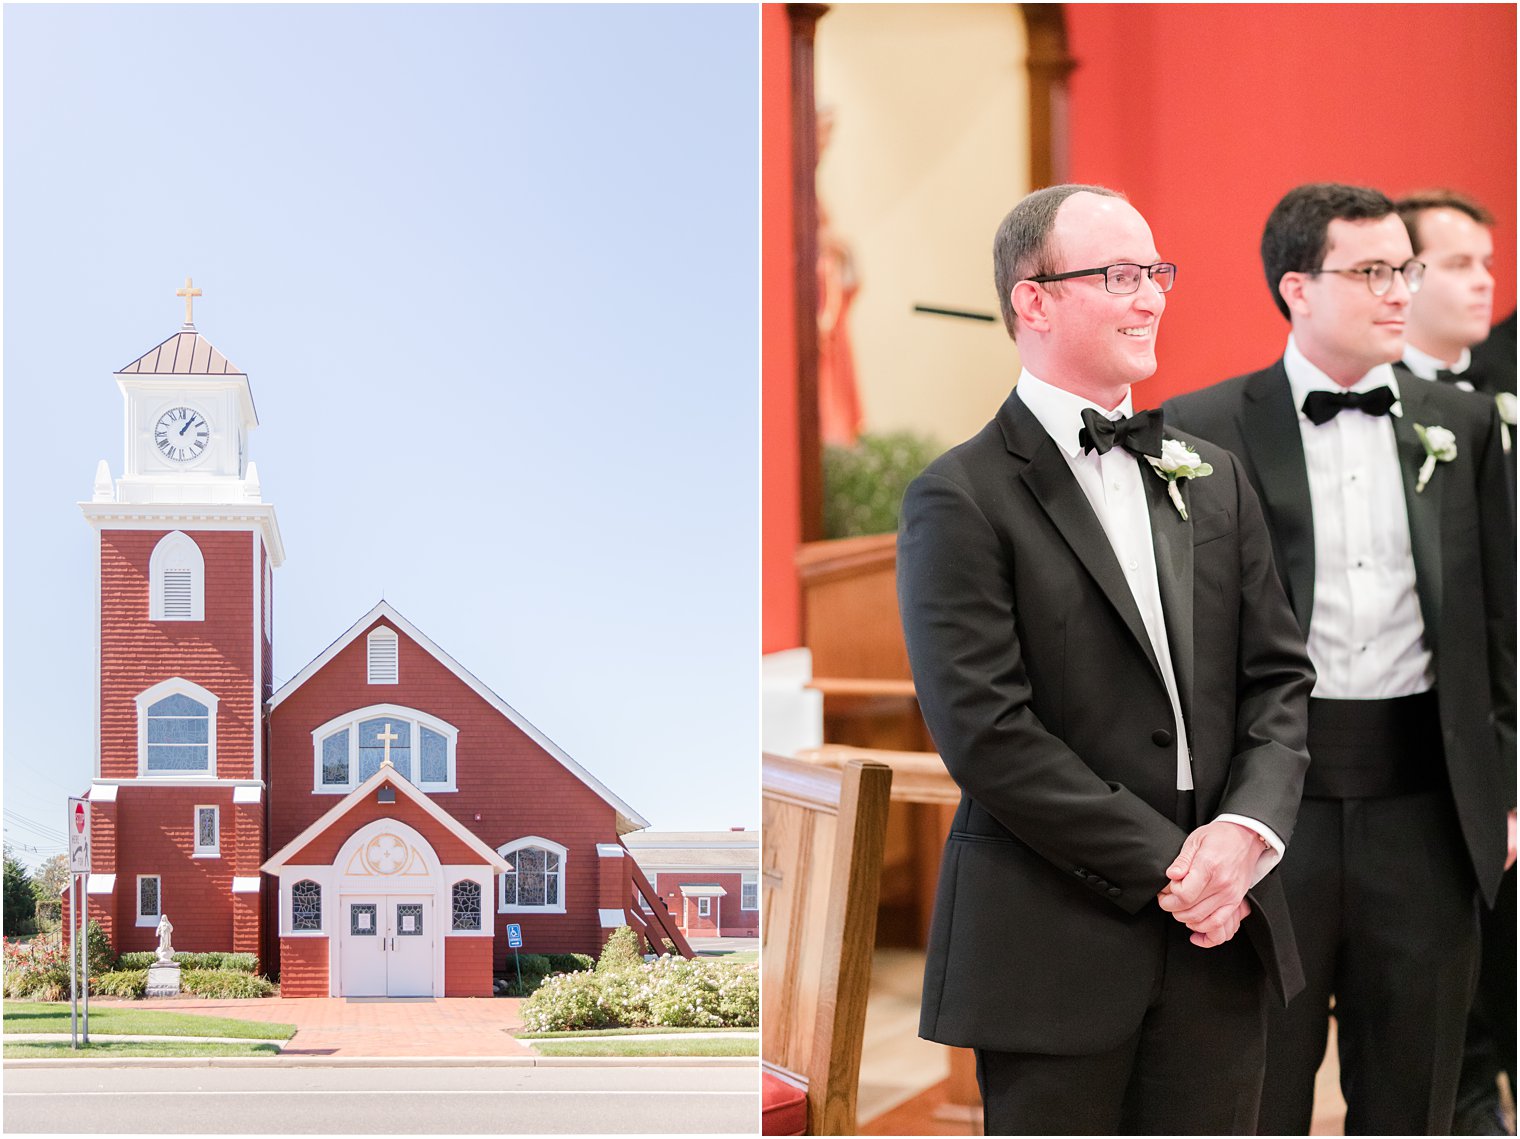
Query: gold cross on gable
[
  {"x": 386, "y": 737},
  {"x": 190, "y": 293}
]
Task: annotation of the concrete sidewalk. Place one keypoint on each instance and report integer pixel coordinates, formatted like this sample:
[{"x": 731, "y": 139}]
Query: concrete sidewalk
[{"x": 370, "y": 1027}]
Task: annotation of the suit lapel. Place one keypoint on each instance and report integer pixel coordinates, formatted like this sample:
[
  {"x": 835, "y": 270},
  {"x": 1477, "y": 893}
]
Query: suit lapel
[
  {"x": 1059, "y": 494},
  {"x": 1424, "y": 509},
  {"x": 1269, "y": 426},
  {"x": 1172, "y": 538}
]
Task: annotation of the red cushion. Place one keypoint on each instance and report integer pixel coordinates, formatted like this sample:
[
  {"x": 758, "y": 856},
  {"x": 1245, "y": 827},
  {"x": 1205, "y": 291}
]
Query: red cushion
[{"x": 783, "y": 1107}]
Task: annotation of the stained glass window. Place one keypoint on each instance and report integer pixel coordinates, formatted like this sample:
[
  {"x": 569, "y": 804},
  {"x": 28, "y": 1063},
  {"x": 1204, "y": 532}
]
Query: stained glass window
[
  {"x": 147, "y": 896},
  {"x": 306, "y": 905},
  {"x": 372, "y": 747},
  {"x": 466, "y": 905},
  {"x": 534, "y": 879},
  {"x": 335, "y": 759},
  {"x": 207, "y": 831},
  {"x": 179, "y": 734},
  {"x": 435, "y": 757}
]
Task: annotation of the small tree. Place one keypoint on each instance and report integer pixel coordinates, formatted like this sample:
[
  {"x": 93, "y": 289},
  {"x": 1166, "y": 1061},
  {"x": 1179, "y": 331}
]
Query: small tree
[
  {"x": 621, "y": 951},
  {"x": 19, "y": 902},
  {"x": 48, "y": 884}
]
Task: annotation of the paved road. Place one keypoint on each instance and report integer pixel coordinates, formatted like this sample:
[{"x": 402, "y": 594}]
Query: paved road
[{"x": 382, "y": 1101}]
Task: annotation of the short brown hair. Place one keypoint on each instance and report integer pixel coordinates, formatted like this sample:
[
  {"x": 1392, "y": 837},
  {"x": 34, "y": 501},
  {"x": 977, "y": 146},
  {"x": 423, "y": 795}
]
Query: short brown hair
[
  {"x": 1022, "y": 249},
  {"x": 1411, "y": 206},
  {"x": 1298, "y": 228}
]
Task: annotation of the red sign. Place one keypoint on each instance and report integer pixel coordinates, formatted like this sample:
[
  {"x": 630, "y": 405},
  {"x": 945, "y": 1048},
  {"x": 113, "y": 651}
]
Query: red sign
[{"x": 79, "y": 817}]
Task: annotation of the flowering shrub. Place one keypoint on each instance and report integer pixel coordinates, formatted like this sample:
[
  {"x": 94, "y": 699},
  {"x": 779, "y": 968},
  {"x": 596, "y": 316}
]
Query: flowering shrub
[
  {"x": 37, "y": 972},
  {"x": 667, "y": 992},
  {"x": 620, "y": 952}
]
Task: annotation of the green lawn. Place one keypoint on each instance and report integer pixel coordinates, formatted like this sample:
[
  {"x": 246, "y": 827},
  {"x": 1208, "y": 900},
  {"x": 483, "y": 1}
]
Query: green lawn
[
  {"x": 60, "y": 1049},
  {"x": 633, "y": 1046},
  {"x": 113, "y": 1020},
  {"x": 585, "y": 1033}
]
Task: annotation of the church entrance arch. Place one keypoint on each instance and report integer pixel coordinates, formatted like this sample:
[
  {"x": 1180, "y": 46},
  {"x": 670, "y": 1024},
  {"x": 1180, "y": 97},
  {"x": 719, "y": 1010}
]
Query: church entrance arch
[{"x": 389, "y": 884}]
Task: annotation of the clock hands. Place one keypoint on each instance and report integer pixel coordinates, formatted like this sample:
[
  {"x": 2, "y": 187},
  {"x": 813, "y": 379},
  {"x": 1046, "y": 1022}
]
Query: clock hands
[{"x": 188, "y": 422}]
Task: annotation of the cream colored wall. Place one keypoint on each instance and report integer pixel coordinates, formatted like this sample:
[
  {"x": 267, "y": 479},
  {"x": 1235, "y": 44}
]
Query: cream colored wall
[{"x": 929, "y": 150}]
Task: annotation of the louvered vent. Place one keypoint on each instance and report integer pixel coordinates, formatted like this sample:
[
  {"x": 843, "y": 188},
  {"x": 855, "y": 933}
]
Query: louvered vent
[
  {"x": 177, "y": 606},
  {"x": 382, "y": 657}
]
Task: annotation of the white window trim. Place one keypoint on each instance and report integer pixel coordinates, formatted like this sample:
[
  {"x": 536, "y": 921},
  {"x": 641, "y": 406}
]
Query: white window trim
[
  {"x": 149, "y": 919},
  {"x": 352, "y": 720},
  {"x": 176, "y": 550},
  {"x": 506, "y": 850},
  {"x": 749, "y": 878},
  {"x": 175, "y": 686},
  {"x": 268, "y": 600},
  {"x": 704, "y": 907},
  {"x": 288, "y": 876},
  {"x": 216, "y": 814},
  {"x": 381, "y": 635}
]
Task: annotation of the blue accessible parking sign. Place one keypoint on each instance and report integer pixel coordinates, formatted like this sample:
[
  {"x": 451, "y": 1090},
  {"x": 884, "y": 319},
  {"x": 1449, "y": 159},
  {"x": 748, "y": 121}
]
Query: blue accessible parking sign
[{"x": 514, "y": 936}]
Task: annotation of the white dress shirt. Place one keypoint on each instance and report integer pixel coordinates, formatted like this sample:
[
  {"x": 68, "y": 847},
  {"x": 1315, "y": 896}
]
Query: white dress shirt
[
  {"x": 1424, "y": 365},
  {"x": 1114, "y": 485},
  {"x": 1366, "y": 634}
]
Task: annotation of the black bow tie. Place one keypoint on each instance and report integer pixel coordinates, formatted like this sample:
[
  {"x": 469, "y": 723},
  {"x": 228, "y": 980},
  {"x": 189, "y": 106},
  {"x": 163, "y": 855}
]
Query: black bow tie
[
  {"x": 1461, "y": 380},
  {"x": 1140, "y": 434},
  {"x": 1322, "y": 407}
]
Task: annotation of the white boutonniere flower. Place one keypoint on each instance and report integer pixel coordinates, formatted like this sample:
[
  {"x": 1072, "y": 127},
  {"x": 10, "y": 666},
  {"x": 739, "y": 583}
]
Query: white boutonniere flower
[
  {"x": 1178, "y": 461},
  {"x": 1440, "y": 446},
  {"x": 1506, "y": 402}
]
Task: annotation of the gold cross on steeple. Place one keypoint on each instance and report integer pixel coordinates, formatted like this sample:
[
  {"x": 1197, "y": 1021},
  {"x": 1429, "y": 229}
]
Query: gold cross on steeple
[
  {"x": 189, "y": 293},
  {"x": 386, "y": 737}
]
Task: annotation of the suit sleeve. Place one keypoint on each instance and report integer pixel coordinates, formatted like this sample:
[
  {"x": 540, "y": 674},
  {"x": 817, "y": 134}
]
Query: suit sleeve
[
  {"x": 1273, "y": 684},
  {"x": 1496, "y": 521},
  {"x": 955, "y": 590}
]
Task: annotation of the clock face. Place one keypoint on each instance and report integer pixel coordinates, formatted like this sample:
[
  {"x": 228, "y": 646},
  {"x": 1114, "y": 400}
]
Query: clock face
[{"x": 181, "y": 434}]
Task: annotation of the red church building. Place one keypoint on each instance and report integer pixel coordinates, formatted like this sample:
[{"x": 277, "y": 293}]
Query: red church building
[{"x": 373, "y": 826}]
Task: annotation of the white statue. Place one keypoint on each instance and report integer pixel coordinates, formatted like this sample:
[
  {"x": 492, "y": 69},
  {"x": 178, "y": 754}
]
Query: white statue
[{"x": 165, "y": 950}]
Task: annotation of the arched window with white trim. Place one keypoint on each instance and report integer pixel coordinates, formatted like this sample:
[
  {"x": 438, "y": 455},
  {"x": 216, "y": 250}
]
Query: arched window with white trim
[
  {"x": 536, "y": 882},
  {"x": 349, "y": 749},
  {"x": 176, "y": 729},
  {"x": 176, "y": 580}
]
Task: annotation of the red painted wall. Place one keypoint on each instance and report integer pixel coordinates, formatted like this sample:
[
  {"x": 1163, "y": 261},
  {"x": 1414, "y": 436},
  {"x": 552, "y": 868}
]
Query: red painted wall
[
  {"x": 137, "y": 653},
  {"x": 303, "y": 970},
  {"x": 467, "y": 967},
  {"x": 156, "y": 830},
  {"x": 781, "y": 525},
  {"x": 509, "y": 786},
  {"x": 1206, "y": 115}
]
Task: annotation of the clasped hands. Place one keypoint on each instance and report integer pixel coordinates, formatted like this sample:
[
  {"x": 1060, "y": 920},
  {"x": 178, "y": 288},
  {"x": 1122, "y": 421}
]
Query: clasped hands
[{"x": 1209, "y": 880}]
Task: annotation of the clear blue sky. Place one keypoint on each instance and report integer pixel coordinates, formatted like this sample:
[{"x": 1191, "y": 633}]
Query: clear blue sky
[{"x": 493, "y": 275}]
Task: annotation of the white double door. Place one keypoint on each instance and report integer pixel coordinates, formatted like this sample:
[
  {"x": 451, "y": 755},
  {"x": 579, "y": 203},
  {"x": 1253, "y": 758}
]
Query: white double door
[{"x": 388, "y": 944}]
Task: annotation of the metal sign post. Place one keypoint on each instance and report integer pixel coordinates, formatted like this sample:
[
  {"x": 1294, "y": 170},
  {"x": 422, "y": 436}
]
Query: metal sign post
[
  {"x": 79, "y": 955},
  {"x": 514, "y": 943}
]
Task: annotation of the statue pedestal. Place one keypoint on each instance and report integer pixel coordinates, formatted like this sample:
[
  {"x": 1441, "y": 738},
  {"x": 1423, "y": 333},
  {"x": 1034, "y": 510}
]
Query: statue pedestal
[{"x": 163, "y": 979}]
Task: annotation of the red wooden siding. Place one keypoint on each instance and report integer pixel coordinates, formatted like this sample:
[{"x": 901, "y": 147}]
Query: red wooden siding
[
  {"x": 466, "y": 966},
  {"x": 303, "y": 967}
]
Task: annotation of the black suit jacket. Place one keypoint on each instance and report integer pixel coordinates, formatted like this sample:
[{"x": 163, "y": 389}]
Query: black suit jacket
[
  {"x": 1043, "y": 695},
  {"x": 1462, "y": 533}
]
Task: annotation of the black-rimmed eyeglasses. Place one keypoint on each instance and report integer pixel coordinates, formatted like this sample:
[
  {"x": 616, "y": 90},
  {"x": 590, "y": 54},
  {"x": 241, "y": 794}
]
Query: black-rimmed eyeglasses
[
  {"x": 1379, "y": 275},
  {"x": 1123, "y": 278}
]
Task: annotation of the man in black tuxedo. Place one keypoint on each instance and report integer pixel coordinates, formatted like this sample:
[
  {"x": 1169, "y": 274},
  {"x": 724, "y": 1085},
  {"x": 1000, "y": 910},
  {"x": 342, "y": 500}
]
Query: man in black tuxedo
[
  {"x": 1106, "y": 660},
  {"x": 1451, "y": 314},
  {"x": 1449, "y": 339},
  {"x": 1387, "y": 507}
]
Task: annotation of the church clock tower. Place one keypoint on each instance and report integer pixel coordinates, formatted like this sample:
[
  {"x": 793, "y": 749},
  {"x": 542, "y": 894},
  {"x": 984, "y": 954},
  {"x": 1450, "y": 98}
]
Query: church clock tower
[{"x": 185, "y": 553}]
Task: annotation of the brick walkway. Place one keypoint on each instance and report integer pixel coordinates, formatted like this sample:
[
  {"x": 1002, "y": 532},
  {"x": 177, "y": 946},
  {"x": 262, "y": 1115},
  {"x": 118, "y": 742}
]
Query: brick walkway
[{"x": 370, "y": 1026}]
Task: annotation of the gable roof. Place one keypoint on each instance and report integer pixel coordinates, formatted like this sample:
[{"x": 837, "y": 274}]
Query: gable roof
[
  {"x": 627, "y": 818},
  {"x": 386, "y": 774},
  {"x": 186, "y": 353}
]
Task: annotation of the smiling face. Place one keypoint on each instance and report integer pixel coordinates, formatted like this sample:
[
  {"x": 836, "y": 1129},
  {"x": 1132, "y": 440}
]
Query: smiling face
[
  {"x": 1338, "y": 324},
  {"x": 1455, "y": 305},
  {"x": 1078, "y": 335}
]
